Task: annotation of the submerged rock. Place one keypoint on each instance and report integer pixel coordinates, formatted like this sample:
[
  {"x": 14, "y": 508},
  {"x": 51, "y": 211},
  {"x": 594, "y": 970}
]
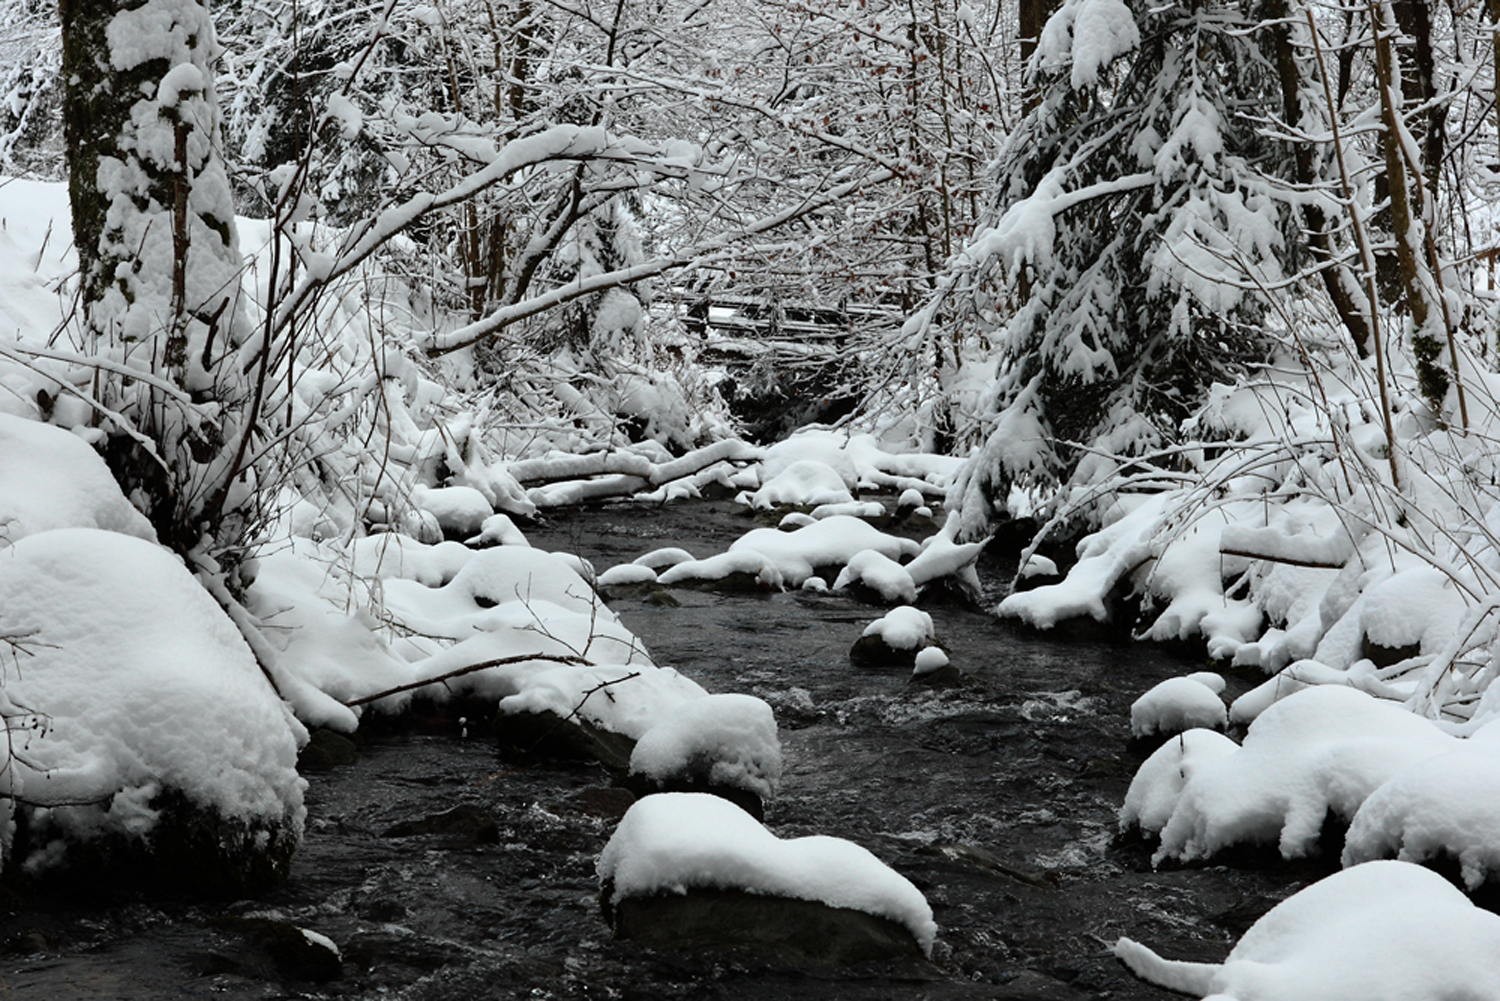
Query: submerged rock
[
  {"x": 466, "y": 822},
  {"x": 548, "y": 735},
  {"x": 275, "y": 950}
]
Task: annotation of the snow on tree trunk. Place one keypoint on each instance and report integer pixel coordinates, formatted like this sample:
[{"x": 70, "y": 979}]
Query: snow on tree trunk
[{"x": 153, "y": 222}]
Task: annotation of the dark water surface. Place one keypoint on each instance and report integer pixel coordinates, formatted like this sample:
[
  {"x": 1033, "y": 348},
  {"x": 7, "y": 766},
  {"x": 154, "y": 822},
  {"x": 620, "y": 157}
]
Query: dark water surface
[{"x": 997, "y": 799}]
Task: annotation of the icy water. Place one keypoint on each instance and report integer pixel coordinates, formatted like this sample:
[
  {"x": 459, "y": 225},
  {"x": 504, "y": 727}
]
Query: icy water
[{"x": 997, "y": 799}]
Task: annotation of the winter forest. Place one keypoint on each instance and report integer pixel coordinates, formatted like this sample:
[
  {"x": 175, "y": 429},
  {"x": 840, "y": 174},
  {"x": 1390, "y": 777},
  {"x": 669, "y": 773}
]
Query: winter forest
[{"x": 928, "y": 499}]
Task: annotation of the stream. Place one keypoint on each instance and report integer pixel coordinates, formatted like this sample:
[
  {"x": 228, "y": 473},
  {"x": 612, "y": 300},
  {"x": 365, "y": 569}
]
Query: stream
[{"x": 997, "y": 799}]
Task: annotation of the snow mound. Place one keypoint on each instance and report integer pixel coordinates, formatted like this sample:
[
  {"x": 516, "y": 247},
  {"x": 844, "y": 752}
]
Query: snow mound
[
  {"x": 719, "y": 567},
  {"x": 1387, "y": 930},
  {"x": 830, "y": 542},
  {"x": 804, "y": 483},
  {"x": 929, "y": 659},
  {"x": 904, "y": 628},
  {"x": 727, "y": 740},
  {"x": 627, "y": 574},
  {"x": 498, "y": 530},
  {"x": 1158, "y": 783},
  {"x": 137, "y": 683},
  {"x": 674, "y": 842},
  {"x": 1179, "y": 704},
  {"x": 460, "y": 511},
  {"x": 880, "y": 574},
  {"x": 1447, "y": 805},
  {"x": 1322, "y": 749},
  {"x": 50, "y": 478}
]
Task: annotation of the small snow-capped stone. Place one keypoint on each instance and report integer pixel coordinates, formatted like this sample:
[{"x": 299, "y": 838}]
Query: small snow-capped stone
[
  {"x": 1179, "y": 704},
  {"x": 930, "y": 659}
]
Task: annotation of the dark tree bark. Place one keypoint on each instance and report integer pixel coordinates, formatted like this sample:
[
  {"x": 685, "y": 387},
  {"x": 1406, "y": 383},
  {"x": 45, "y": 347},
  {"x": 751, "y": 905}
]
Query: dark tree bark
[{"x": 159, "y": 268}]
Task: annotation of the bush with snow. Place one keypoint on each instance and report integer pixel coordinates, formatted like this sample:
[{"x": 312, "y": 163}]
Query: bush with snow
[{"x": 1387, "y": 930}]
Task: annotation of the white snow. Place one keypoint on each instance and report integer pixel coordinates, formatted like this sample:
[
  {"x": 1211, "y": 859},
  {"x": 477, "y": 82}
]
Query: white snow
[
  {"x": 830, "y": 542},
  {"x": 903, "y": 628},
  {"x": 627, "y": 573},
  {"x": 880, "y": 574},
  {"x": 1325, "y": 748},
  {"x": 730, "y": 740},
  {"x": 929, "y": 659},
  {"x": 804, "y": 483},
  {"x": 620, "y": 703},
  {"x": 137, "y": 682},
  {"x": 1387, "y": 930},
  {"x": 1179, "y": 704},
  {"x": 675, "y": 842},
  {"x": 1446, "y": 805},
  {"x": 460, "y": 511},
  {"x": 52, "y": 479}
]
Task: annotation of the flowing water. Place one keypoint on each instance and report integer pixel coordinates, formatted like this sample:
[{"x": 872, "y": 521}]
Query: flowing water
[{"x": 997, "y": 798}]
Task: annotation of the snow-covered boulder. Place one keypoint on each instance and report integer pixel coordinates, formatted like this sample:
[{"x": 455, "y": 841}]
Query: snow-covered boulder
[
  {"x": 1387, "y": 930},
  {"x": 592, "y": 713},
  {"x": 722, "y": 744},
  {"x": 895, "y": 638},
  {"x": 732, "y": 571},
  {"x": 831, "y": 542},
  {"x": 1179, "y": 704},
  {"x": 805, "y": 483},
  {"x": 879, "y": 576},
  {"x": 143, "y": 731},
  {"x": 51, "y": 478},
  {"x": 693, "y": 871}
]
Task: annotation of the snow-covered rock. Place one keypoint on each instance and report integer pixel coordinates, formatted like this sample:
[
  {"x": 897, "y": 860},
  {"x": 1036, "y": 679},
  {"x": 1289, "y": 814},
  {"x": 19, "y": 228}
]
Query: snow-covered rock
[
  {"x": 1387, "y": 930},
  {"x": 894, "y": 638},
  {"x": 830, "y": 542},
  {"x": 677, "y": 845},
  {"x": 725, "y": 744},
  {"x": 804, "y": 483},
  {"x": 460, "y": 511},
  {"x": 1448, "y": 805},
  {"x": 880, "y": 575},
  {"x": 151, "y": 718},
  {"x": 1179, "y": 704}
]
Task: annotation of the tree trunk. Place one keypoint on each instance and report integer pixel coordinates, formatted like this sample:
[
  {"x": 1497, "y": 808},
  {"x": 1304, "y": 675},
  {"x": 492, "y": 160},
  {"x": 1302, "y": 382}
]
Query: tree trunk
[{"x": 159, "y": 269}]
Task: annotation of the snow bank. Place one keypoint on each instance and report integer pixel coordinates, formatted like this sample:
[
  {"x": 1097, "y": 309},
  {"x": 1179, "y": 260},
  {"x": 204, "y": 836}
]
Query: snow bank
[
  {"x": 1387, "y": 930},
  {"x": 675, "y": 842},
  {"x": 804, "y": 483},
  {"x": 50, "y": 478},
  {"x": 727, "y": 740},
  {"x": 137, "y": 683},
  {"x": 1325, "y": 748}
]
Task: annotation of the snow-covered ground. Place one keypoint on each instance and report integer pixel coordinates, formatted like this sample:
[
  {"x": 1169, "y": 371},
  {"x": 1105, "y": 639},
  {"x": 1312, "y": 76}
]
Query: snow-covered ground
[{"x": 1376, "y": 629}]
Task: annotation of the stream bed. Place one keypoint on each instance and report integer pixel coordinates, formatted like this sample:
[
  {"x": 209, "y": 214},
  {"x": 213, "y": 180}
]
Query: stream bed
[{"x": 997, "y": 798}]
